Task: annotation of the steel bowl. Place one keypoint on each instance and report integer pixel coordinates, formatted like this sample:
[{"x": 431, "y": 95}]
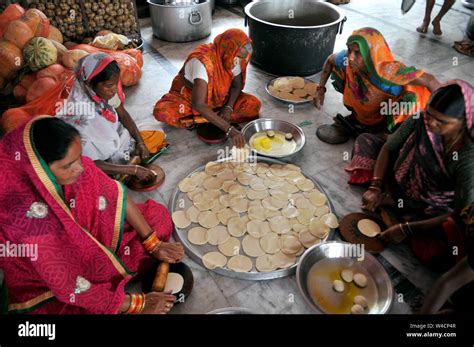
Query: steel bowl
[
  {"x": 337, "y": 249},
  {"x": 232, "y": 310},
  {"x": 264, "y": 124}
]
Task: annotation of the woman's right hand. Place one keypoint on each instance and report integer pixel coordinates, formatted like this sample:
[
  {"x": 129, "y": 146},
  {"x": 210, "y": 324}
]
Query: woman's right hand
[
  {"x": 237, "y": 138},
  {"x": 158, "y": 303},
  {"x": 144, "y": 174},
  {"x": 371, "y": 199},
  {"x": 318, "y": 99}
]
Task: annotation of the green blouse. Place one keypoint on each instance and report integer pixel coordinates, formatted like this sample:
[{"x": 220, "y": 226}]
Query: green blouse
[{"x": 460, "y": 168}]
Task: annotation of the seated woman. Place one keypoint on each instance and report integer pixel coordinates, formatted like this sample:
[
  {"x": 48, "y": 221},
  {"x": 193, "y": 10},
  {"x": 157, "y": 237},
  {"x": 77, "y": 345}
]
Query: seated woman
[
  {"x": 209, "y": 87},
  {"x": 379, "y": 91},
  {"x": 91, "y": 238},
  {"x": 94, "y": 106},
  {"x": 424, "y": 171}
]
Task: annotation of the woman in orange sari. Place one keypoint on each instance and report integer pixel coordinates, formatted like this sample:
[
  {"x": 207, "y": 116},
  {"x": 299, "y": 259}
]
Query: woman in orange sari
[
  {"x": 379, "y": 91},
  {"x": 208, "y": 88}
]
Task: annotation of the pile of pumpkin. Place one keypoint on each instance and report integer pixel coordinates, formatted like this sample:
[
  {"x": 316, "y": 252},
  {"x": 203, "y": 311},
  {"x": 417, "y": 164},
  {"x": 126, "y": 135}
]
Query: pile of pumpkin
[{"x": 33, "y": 58}]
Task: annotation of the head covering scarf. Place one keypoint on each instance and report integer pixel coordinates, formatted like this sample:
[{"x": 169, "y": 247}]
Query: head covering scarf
[
  {"x": 420, "y": 169},
  {"x": 383, "y": 78},
  {"x": 218, "y": 58},
  {"x": 82, "y": 92}
]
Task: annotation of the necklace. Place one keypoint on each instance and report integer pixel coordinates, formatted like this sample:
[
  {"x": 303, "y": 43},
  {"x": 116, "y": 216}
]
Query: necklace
[{"x": 458, "y": 136}]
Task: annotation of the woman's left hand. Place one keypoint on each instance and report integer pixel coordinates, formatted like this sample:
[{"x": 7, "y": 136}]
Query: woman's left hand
[
  {"x": 394, "y": 234},
  {"x": 142, "y": 151},
  {"x": 170, "y": 252}
]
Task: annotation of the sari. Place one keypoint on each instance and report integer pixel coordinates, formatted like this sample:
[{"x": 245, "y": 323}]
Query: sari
[
  {"x": 373, "y": 95},
  {"x": 431, "y": 183},
  {"x": 86, "y": 251},
  {"x": 74, "y": 101},
  {"x": 175, "y": 108}
]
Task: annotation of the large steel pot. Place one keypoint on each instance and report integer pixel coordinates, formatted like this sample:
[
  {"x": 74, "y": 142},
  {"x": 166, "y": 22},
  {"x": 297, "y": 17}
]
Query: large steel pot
[
  {"x": 470, "y": 27},
  {"x": 292, "y": 37},
  {"x": 181, "y": 21}
]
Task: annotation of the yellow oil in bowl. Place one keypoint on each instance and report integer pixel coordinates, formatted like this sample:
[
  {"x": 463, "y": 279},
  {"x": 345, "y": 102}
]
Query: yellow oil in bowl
[{"x": 274, "y": 143}]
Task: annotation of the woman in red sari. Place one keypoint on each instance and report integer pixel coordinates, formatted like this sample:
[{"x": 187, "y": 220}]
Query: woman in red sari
[
  {"x": 208, "y": 88},
  {"x": 88, "y": 233}
]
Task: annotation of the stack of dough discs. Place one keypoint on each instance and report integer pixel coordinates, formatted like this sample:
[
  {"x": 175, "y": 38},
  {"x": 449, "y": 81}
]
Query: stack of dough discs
[
  {"x": 212, "y": 260},
  {"x": 237, "y": 226},
  {"x": 368, "y": 227},
  {"x": 240, "y": 263},
  {"x": 217, "y": 235},
  {"x": 290, "y": 244},
  {"x": 208, "y": 219},
  {"x": 251, "y": 246},
  {"x": 270, "y": 243},
  {"x": 293, "y": 89},
  {"x": 265, "y": 263},
  {"x": 197, "y": 236},
  {"x": 181, "y": 220},
  {"x": 231, "y": 247},
  {"x": 260, "y": 217}
]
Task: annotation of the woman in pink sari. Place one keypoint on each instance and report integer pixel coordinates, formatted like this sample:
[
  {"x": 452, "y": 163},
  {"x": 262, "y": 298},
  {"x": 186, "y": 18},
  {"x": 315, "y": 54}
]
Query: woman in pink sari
[{"x": 88, "y": 234}]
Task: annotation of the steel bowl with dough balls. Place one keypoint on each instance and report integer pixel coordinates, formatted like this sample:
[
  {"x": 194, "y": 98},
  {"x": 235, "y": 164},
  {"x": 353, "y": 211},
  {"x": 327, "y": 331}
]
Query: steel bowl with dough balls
[
  {"x": 274, "y": 138},
  {"x": 337, "y": 278},
  {"x": 250, "y": 220}
]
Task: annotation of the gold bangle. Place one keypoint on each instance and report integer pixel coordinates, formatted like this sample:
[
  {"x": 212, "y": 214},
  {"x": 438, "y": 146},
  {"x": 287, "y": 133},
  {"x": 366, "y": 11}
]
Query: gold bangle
[
  {"x": 151, "y": 243},
  {"x": 377, "y": 178}
]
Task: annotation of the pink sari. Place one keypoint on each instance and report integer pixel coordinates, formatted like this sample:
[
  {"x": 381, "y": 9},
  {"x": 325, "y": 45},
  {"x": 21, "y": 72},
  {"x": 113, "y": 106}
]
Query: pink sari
[{"x": 86, "y": 252}]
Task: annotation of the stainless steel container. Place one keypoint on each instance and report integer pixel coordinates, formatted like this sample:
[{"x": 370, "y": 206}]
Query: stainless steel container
[
  {"x": 336, "y": 249},
  {"x": 292, "y": 37},
  {"x": 181, "y": 21},
  {"x": 264, "y": 124}
]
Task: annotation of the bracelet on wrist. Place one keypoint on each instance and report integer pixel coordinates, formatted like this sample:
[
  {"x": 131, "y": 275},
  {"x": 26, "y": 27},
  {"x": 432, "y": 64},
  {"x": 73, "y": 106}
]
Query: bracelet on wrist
[
  {"x": 151, "y": 243},
  {"x": 229, "y": 130},
  {"x": 229, "y": 107}
]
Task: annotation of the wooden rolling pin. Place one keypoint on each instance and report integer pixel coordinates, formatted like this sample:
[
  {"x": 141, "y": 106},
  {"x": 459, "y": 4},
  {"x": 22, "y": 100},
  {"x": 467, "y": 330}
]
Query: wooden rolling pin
[
  {"x": 160, "y": 277},
  {"x": 134, "y": 161}
]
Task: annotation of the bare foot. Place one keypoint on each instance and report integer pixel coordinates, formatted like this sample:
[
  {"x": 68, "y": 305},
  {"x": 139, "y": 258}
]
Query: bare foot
[
  {"x": 423, "y": 28},
  {"x": 437, "y": 28}
]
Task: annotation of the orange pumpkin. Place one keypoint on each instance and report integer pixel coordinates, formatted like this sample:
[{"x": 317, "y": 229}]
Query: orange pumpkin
[
  {"x": 11, "y": 59},
  {"x": 61, "y": 51},
  {"x": 39, "y": 87},
  {"x": 27, "y": 80},
  {"x": 135, "y": 53},
  {"x": 14, "y": 118},
  {"x": 19, "y": 92},
  {"x": 37, "y": 21},
  {"x": 55, "y": 71},
  {"x": 11, "y": 13},
  {"x": 55, "y": 34},
  {"x": 21, "y": 89},
  {"x": 71, "y": 58},
  {"x": 130, "y": 71},
  {"x": 18, "y": 33},
  {"x": 87, "y": 48}
]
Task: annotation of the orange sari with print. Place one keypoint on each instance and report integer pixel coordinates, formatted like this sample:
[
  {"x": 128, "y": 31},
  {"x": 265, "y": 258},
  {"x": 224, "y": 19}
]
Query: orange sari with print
[
  {"x": 384, "y": 91},
  {"x": 175, "y": 108}
]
